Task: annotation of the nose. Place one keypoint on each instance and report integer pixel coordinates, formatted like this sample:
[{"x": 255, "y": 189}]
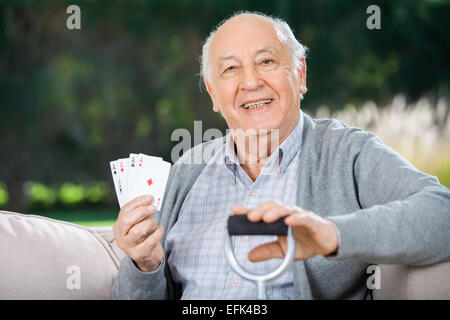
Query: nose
[{"x": 251, "y": 79}]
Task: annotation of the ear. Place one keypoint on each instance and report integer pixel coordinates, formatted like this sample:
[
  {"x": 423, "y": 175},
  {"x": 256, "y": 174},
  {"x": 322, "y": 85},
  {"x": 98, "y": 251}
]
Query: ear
[
  {"x": 212, "y": 96},
  {"x": 302, "y": 76}
]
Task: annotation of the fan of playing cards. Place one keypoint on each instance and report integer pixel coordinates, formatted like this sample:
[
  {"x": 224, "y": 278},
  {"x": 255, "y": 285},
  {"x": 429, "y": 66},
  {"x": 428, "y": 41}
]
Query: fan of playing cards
[{"x": 138, "y": 175}]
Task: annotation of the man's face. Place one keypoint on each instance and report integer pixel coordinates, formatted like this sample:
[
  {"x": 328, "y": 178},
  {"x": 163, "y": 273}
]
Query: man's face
[{"x": 253, "y": 82}]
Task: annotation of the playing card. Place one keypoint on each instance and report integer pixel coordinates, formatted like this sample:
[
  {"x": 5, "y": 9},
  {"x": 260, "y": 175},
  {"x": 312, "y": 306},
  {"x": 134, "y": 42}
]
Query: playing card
[
  {"x": 156, "y": 179},
  {"x": 142, "y": 156},
  {"x": 133, "y": 173},
  {"x": 119, "y": 170},
  {"x": 135, "y": 167},
  {"x": 138, "y": 175},
  {"x": 147, "y": 175}
]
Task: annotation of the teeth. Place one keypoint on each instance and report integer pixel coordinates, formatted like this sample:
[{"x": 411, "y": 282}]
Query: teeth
[{"x": 257, "y": 104}]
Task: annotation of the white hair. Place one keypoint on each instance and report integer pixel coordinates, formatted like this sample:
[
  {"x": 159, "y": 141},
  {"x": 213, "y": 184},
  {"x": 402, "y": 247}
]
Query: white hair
[{"x": 284, "y": 33}]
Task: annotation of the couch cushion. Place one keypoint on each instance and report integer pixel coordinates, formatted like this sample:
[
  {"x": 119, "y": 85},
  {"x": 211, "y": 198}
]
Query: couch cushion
[
  {"x": 394, "y": 279},
  {"x": 410, "y": 282},
  {"x": 430, "y": 282},
  {"x": 43, "y": 258}
]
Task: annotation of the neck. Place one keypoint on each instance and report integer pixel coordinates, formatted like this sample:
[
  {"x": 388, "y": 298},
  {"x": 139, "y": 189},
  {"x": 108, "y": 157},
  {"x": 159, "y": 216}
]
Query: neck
[{"x": 254, "y": 151}]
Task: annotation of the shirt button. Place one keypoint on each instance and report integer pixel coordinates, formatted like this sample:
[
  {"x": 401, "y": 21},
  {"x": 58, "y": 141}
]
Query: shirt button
[
  {"x": 245, "y": 239},
  {"x": 234, "y": 283},
  {"x": 254, "y": 195}
]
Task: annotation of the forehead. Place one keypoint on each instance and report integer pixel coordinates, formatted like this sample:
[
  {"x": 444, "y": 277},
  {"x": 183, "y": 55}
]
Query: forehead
[{"x": 244, "y": 34}]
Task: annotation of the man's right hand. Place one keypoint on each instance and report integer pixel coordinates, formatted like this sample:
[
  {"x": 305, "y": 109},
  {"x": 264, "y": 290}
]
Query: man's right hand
[{"x": 137, "y": 233}]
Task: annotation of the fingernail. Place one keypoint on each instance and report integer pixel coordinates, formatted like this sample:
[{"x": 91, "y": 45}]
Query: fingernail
[{"x": 151, "y": 208}]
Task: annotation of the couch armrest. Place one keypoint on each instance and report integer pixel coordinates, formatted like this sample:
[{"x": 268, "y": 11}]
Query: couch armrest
[
  {"x": 44, "y": 258},
  {"x": 107, "y": 234}
]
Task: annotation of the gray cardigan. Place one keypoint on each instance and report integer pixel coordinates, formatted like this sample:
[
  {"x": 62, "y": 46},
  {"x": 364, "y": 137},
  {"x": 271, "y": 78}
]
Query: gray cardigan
[{"x": 385, "y": 211}]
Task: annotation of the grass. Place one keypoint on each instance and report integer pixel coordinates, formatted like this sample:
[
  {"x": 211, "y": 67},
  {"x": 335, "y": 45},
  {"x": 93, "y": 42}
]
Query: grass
[{"x": 97, "y": 217}]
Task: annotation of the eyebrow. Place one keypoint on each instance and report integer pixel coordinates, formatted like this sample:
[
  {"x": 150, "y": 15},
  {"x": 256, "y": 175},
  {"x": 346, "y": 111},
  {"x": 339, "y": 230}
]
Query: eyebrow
[
  {"x": 228, "y": 57},
  {"x": 269, "y": 49}
]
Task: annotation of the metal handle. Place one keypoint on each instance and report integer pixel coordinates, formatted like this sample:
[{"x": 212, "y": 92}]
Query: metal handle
[{"x": 260, "y": 279}]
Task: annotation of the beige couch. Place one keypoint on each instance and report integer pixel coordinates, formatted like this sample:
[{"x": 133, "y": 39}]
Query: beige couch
[{"x": 42, "y": 258}]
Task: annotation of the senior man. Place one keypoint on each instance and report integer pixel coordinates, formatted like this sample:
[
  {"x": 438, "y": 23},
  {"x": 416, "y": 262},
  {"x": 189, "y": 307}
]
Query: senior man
[{"x": 351, "y": 200}]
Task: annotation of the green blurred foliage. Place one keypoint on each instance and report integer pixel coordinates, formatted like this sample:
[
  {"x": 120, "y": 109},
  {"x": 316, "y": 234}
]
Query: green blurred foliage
[
  {"x": 97, "y": 192},
  {"x": 71, "y": 101},
  {"x": 71, "y": 193},
  {"x": 443, "y": 171},
  {"x": 3, "y": 195},
  {"x": 41, "y": 194},
  {"x": 65, "y": 195}
]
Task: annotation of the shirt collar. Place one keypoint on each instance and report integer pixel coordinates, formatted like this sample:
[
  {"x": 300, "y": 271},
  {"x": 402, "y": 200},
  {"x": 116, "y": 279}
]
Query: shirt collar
[
  {"x": 290, "y": 146},
  {"x": 230, "y": 153},
  {"x": 286, "y": 151}
]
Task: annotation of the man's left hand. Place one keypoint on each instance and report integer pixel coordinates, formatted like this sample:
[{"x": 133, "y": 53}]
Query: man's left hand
[{"x": 313, "y": 234}]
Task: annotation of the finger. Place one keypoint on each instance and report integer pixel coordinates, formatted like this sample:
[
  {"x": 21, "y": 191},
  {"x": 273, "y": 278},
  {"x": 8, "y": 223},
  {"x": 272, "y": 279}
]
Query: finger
[
  {"x": 276, "y": 212},
  {"x": 266, "y": 251},
  {"x": 152, "y": 240},
  {"x": 298, "y": 219},
  {"x": 137, "y": 202},
  {"x": 257, "y": 213},
  {"x": 128, "y": 220},
  {"x": 140, "y": 231},
  {"x": 239, "y": 210},
  {"x": 147, "y": 249}
]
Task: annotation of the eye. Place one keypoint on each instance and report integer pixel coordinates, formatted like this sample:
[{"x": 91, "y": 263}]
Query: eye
[
  {"x": 230, "y": 68},
  {"x": 267, "y": 61}
]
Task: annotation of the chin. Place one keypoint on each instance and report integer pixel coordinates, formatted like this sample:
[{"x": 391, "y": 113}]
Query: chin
[{"x": 262, "y": 124}]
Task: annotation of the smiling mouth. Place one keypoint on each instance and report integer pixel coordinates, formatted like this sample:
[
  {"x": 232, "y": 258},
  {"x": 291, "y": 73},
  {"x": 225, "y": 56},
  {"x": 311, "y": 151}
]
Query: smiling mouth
[{"x": 257, "y": 104}]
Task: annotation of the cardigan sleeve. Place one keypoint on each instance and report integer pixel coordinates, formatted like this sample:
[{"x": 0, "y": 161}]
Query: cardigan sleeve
[
  {"x": 132, "y": 283},
  {"x": 405, "y": 215}
]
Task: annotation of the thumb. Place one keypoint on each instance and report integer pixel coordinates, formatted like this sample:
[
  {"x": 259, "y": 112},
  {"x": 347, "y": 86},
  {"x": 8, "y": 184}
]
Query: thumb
[{"x": 266, "y": 251}]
